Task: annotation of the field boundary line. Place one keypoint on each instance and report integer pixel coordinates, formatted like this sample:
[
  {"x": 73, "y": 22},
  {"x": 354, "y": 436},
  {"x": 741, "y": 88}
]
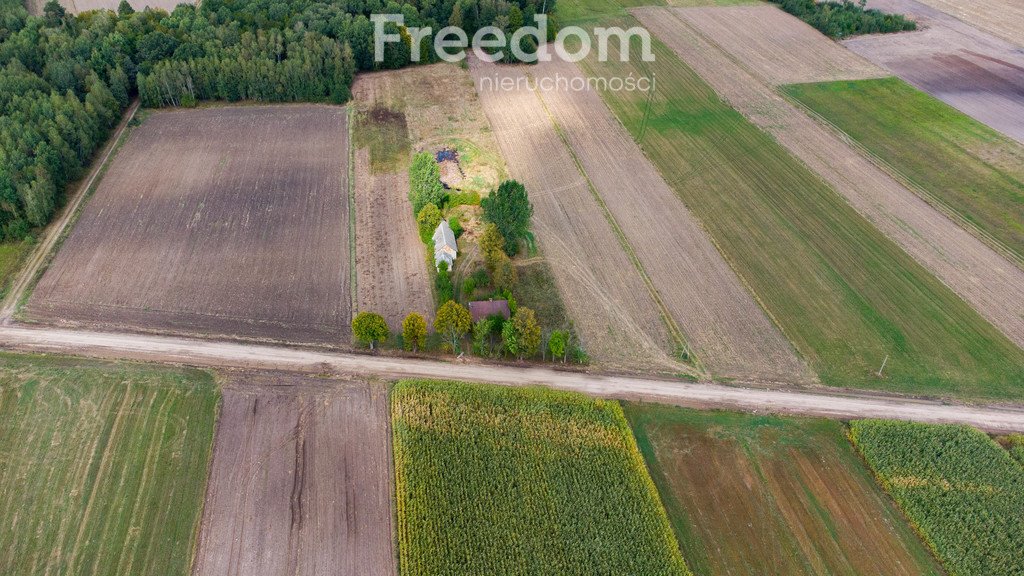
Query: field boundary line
[
  {"x": 670, "y": 324},
  {"x": 353, "y": 276},
  {"x": 37, "y": 263}
]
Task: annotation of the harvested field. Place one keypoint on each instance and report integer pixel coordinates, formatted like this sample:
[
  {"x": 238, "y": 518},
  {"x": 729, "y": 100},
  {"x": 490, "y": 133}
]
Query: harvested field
[
  {"x": 778, "y": 47},
  {"x": 976, "y": 272},
  {"x": 979, "y": 74},
  {"x": 615, "y": 314},
  {"x": 391, "y": 267},
  {"x": 844, "y": 294},
  {"x": 753, "y": 495},
  {"x": 1003, "y": 18},
  {"x": 102, "y": 466},
  {"x": 721, "y": 322},
  {"x": 300, "y": 480},
  {"x": 217, "y": 221},
  {"x": 495, "y": 480}
]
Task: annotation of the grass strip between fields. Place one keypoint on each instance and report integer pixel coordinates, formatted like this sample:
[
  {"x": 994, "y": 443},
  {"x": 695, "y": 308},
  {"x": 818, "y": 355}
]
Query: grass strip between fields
[
  {"x": 958, "y": 487},
  {"x": 960, "y": 164},
  {"x": 103, "y": 466},
  {"x": 494, "y": 480},
  {"x": 847, "y": 297}
]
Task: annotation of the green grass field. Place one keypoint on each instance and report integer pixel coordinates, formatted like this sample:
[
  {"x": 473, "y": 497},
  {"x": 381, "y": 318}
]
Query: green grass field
[
  {"x": 846, "y": 296},
  {"x": 102, "y": 466},
  {"x": 495, "y": 480},
  {"x": 385, "y": 133},
  {"x": 752, "y": 495},
  {"x": 963, "y": 492},
  {"x": 963, "y": 165},
  {"x": 12, "y": 254}
]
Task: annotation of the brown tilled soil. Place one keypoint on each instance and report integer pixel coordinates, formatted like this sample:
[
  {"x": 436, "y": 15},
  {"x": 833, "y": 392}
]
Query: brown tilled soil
[
  {"x": 986, "y": 280},
  {"x": 300, "y": 481},
  {"x": 721, "y": 322},
  {"x": 219, "y": 221},
  {"x": 614, "y": 312},
  {"x": 782, "y": 48},
  {"x": 1003, "y": 18},
  {"x": 392, "y": 278},
  {"x": 977, "y": 73}
]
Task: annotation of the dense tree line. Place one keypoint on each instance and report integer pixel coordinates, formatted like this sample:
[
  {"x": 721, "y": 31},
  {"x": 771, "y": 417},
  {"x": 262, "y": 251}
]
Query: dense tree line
[{"x": 845, "y": 18}]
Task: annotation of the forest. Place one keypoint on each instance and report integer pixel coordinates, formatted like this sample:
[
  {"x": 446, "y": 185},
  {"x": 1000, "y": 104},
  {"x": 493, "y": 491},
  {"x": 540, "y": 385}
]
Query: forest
[
  {"x": 845, "y": 18},
  {"x": 66, "y": 79}
]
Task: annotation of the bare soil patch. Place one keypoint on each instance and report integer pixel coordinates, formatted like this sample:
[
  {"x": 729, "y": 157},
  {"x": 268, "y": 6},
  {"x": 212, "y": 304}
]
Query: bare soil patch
[
  {"x": 391, "y": 267},
  {"x": 218, "y": 221},
  {"x": 300, "y": 481},
  {"x": 721, "y": 322},
  {"x": 990, "y": 283},
  {"x": 977, "y": 73},
  {"x": 781, "y": 48},
  {"x": 615, "y": 314}
]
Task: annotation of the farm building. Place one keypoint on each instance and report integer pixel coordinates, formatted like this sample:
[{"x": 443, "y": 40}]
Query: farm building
[
  {"x": 486, "y": 308},
  {"x": 445, "y": 248}
]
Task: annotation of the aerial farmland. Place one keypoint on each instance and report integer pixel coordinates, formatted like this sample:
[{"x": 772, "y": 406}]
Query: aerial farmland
[{"x": 736, "y": 290}]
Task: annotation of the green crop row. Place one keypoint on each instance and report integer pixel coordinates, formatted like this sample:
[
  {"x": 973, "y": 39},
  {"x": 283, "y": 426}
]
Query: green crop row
[
  {"x": 962, "y": 492},
  {"x": 494, "y": 480}
]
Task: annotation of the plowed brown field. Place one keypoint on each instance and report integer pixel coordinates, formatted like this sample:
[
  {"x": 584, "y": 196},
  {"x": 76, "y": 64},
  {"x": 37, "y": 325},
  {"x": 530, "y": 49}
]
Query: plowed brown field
[
  {"x": 300, "y": 481},
  {"x": 219, "y": 221},
  {"x": 977, "y": 73},
  {"x": 615, "y": 314},
  {"x": 721, "y": 322},
  {"x": 978, "y": 274},
  {"x": 783, "y": 49}
]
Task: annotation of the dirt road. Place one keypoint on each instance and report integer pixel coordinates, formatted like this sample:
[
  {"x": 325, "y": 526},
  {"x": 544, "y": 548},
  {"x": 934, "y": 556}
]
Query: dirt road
[{"x": 812, "y": 402}]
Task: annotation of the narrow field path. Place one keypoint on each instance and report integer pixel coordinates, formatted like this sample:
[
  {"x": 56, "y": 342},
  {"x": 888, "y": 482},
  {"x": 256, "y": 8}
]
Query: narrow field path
[
  {"x": 981, "y": 276},
  {"x": 828, "y": 403}
]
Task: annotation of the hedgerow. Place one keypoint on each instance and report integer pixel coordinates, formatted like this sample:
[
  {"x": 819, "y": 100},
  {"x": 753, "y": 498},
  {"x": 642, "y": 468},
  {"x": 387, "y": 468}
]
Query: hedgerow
[
  {"x": 493, "y": 480},
  {"x": 962, "y": 492}
]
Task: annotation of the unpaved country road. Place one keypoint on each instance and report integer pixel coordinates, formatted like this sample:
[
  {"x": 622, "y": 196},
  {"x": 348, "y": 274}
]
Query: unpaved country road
[{"x": 829, "y": 404}]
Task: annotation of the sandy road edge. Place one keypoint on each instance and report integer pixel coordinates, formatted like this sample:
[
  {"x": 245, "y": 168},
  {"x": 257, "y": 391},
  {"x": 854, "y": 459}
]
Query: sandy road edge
[
  {"x": 54, "y": 232},
  {"x": 839, "y": 404}
]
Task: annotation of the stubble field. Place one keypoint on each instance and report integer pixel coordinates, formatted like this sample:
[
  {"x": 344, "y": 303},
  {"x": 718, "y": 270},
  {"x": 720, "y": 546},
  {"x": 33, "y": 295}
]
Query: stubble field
[
  {"x": 300, "y": 481},
  {"x": 753, "y": 495},
  {"x": 1004, "y": 18},
  {"x": 102, "y": 466},
  {"x": 218, "y": 221}
]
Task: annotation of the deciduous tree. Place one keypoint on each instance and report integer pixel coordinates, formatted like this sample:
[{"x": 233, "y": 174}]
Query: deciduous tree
[
  {"x": 452, "y": 323},
  {"x": 414, "y": 332},
  {"x": 510, "y": 210},
  {"x": 369, "y": 328}
]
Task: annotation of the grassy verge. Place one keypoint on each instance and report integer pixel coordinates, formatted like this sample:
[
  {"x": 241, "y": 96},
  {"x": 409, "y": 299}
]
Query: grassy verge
[
  {"x": 747, "y": 492},
  {"x": 845, "y": 295},
  {"x": 385, "y": 133},
  {"x": 497, "y": 480},
  {"x": 12, "y": 255},
  {"x": 1014, "y": 443},
  {"x": 103, "y": 465},
  {"x": 962, "y": 491},
  {"x": 962, "y": 165}
]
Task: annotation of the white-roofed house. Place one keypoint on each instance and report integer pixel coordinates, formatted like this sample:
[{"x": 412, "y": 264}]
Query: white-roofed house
[{"x": 445, "y": 248}]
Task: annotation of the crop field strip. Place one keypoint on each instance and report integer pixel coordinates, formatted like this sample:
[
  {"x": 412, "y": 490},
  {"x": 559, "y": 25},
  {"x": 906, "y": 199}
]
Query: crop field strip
[
  {"x": 300, "y": 480},
  {"x": 753, "y": 495},
  {"x": 962, "y": 491},
  {"x": 722, "y": 323},
  {"x": 613, "y": 310},
  {"x": 846, "y": 296},
  {"x": 977, "y": 73},
  {"x": 986, "y": 279},
  {"x": 220, "y": 221},
  {"x": 102, "y": 466},
  {"x": 495, "y": 480},
  {"x": 1003, "y": 18}
]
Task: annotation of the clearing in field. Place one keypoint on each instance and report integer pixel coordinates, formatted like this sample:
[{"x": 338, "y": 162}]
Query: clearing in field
[
  {"x": 217, "y": 221},
  {"x": 300, "y": 480},
  {"x": 962, "y": 165},
  {"x": 767, "y": 495},
  {"x": 102, "y": 466},
  {"x": 980, "y": 75},
  {"x": 494, "y": 480},
  {"x": 958, "y": 487},
  {"x": 781, "y": 48},
  {"x": 844, "y": 294},
  {"x": 720, "y": 322}
]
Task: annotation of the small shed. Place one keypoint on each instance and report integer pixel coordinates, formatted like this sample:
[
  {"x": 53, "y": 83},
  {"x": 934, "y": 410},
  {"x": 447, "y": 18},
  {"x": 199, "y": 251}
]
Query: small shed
[
  {"x": 486, "y": 308},
  {"x": 445, "y": 248}
]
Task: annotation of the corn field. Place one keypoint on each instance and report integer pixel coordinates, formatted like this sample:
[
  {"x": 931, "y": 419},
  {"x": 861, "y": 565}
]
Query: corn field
[
  {"x": 494, "y": 480},
  {"x": 962, "y": 491}
]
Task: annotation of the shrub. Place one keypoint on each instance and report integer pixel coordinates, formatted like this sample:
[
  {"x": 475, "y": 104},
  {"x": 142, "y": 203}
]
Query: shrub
[
  {"x": 458, "y": 198},
  {"x": 456, "y": 225},
  {"x": 443, "y": 288},
  {"x": 558, "y": 344},
  {"x": 505, "y": 276},
  {"x": 428, "y": 219},
  {"x": 425, "y": 182}
]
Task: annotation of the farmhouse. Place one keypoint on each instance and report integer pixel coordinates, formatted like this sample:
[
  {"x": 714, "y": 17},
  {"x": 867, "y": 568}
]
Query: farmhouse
[
  {"x": 445, "y": 248},
  {"x": 486, "y": 308}
]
